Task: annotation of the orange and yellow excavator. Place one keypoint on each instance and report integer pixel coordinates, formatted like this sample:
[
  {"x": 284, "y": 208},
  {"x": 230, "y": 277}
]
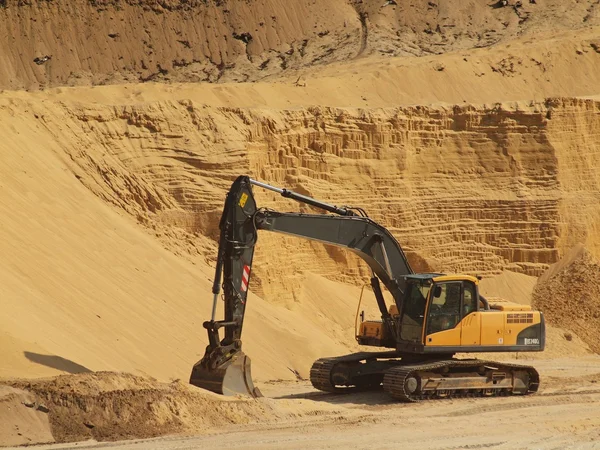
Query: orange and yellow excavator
[{"x": 433, "y": 316}]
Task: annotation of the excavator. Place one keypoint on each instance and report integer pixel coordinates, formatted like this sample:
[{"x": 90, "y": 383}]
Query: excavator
[{"x": 433, "y": 316}]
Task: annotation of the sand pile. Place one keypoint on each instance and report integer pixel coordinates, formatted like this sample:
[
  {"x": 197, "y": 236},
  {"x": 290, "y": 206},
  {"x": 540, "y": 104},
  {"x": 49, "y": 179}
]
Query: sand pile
[
  {"x": 110, "y": 406},
  {"x": 569, "y": 295},
  {"x": 22, "y": 420}
]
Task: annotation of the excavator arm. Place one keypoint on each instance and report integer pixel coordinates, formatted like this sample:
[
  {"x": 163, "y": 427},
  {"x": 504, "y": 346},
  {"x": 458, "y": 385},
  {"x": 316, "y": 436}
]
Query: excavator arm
[{"x": 225, "y": 368}]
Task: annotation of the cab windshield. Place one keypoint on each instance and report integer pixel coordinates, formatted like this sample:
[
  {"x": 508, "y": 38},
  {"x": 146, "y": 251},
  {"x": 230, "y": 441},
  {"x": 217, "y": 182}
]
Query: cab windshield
[{"x": 413, "y": 312}]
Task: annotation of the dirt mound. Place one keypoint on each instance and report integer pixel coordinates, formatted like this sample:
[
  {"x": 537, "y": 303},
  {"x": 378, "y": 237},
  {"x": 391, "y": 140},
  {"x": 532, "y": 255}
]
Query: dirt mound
[
  {"x": 22, "y": 421},
  {"x": 111, "y": 406},
  {"x": 569, "y": 295}
]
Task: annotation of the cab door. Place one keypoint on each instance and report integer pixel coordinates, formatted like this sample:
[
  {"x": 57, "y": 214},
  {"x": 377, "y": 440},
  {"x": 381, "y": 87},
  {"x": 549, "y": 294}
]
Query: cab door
[
  {"x": 443, "y": 315},
  {"x": 471, "y": 317}
]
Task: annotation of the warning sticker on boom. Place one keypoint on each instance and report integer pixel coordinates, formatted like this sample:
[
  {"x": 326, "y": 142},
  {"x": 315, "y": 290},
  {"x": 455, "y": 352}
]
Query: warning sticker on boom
[
  {"x": 245, "y": 278},
  {"x": 243, "y": 199}
]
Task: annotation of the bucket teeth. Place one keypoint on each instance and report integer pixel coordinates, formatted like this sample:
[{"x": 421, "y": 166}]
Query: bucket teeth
[{"x": 231, "y": 378}]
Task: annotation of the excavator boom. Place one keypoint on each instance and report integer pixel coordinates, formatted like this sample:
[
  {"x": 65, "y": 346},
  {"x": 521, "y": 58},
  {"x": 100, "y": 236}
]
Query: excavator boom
[{"x": 225, "y": 369}]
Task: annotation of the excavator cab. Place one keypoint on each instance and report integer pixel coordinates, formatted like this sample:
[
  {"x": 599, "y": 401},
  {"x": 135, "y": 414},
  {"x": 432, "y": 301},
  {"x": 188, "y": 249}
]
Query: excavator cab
[
  {"x": 446, "y": 314},
  {"x": 409, "y": 321},
  {"x": 434, "y": 303}
]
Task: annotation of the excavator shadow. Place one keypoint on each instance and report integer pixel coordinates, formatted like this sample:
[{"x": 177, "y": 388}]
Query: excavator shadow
[
  {"x": 56, "y": 362},
  {"x": 355, "y": 397}
]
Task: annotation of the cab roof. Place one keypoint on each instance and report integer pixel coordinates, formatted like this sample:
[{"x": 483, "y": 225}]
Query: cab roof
[{"x": 441, "y": 277}]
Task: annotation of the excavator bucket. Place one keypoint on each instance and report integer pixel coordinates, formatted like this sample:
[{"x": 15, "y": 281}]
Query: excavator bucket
[{"x": 231, "y": 378}]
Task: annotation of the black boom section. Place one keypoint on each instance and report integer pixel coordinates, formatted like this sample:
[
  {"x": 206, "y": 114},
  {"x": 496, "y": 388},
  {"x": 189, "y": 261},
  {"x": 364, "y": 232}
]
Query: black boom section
[
  {"x": 239, "y": 225},
  {"x": 234, "y": 261},
  {"x": 369, "y": 240},
  {"x": 225, "y": 368}
]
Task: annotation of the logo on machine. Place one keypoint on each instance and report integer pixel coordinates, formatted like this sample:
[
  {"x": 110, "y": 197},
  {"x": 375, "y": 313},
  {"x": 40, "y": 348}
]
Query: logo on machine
[
  {"x": 531, "y": 341},
  {"x": 243, "y": 199}
]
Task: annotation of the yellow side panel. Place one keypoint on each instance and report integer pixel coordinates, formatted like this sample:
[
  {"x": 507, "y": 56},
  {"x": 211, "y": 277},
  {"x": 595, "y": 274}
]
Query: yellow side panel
[
  {"x": 471, "y": 329},
  {"x": 446, "y": 337},
  {"x": 508, "y": 306},
  {"x": 515, "y": 323},
  {"x": 371, "y": 329},
  {"x": 492, "y": 328}
]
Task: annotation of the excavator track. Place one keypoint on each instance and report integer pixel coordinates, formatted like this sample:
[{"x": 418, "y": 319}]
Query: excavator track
[
  {"x": 320, "y": 375},
  {"x": 416, "y": 381},
  {"x": 459, "y": 378},
  {"x": 348, "y": 373}
]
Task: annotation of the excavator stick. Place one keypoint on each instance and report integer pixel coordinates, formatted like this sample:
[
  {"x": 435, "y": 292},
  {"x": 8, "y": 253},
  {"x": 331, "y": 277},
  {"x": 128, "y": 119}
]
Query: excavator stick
[{"x": 225, "y": 369}]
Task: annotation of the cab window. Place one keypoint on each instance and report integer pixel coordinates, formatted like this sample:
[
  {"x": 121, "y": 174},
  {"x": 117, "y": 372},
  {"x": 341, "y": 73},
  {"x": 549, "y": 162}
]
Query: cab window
[
  {"x": 414, "y": 312},
  {"x": 444, "y": 311},
  {"x": 469, "y": 299}
]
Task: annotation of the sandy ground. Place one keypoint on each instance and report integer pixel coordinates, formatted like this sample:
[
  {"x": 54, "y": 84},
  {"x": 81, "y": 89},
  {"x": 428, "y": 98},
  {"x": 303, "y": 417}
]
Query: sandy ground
[
  {"x": 564, "y": 414},
  {"x": 435, "y": 114}
]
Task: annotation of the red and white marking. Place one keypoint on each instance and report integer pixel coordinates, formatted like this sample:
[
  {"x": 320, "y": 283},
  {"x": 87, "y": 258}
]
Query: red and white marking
[{"x": 245, "y": 278}]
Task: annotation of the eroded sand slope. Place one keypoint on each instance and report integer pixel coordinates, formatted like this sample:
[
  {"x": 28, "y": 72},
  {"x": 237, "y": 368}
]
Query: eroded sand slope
[{"x": 111, "y": 41}]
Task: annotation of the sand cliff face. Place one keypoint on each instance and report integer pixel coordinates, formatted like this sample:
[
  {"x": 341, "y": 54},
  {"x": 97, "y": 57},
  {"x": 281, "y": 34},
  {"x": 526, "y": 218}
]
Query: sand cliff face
[
  {"x": 573, "y": 126},
  {"x": 464, "y": 189}
]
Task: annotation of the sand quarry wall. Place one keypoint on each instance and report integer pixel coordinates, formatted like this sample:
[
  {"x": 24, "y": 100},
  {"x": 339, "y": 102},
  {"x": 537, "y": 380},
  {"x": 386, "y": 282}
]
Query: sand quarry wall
[
  {"x": 463, "y": 189},
  {"x": 109, "y": 215}
]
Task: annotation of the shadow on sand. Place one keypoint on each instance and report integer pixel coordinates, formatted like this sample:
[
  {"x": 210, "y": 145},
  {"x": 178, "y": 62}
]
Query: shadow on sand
[
  {"x": 352, "y": 397},
  {"x": 56, "y": 362}
]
